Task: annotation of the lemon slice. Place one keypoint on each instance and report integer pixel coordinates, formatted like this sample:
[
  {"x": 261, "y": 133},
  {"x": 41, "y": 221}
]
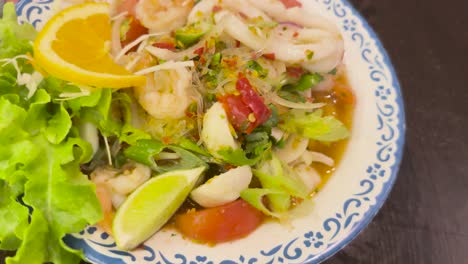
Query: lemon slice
[
  {"x": 74, "y": 45},
  {"x": 150, "y": 206}
]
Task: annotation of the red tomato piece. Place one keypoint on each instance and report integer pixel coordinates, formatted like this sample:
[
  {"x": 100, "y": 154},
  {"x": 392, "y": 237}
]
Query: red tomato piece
[
  {"x": 199, "y": 51},
  {"x": 220, "y": 224},
  {"x": 135, "y": 30},
  {"x": 238, "y": 113},
  {"x": 291, "y": 3},
  {"x": 253, "y": 101},
  {"x": 269, "y": 56}
]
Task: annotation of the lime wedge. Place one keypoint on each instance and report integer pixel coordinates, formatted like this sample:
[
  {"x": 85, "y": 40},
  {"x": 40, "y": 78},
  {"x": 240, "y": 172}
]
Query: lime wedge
[{"x": 150, "y": 206}]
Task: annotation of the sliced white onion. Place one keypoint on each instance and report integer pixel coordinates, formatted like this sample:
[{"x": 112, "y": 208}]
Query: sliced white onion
[
  {"x": 223, "y": 188},
  {"x": 309, "y": 176},
  {"x": 304, "y": 106},
  {"x": 116, "y": 45},
  {"x": 277, "y": 133},
  {"x": 169, "y": 65},
  {"x": 310, "y": 156},
  {"x": 293, "y": 149},
  {"x": 89, "y": 132},
  {"x": 134, "y": 43}
]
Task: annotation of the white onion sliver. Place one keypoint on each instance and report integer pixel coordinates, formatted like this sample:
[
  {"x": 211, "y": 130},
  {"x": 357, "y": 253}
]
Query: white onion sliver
[
  {"x": 133, "y": 62},
  {"x": 304, "y": 106},
  {"x": 322, "y": 158},
  {"x": 116, "y": 46},
  {"x": 135, "y": 43},
  {"x": 120, "y": 15},
  {"x": 166, "y": 66}
]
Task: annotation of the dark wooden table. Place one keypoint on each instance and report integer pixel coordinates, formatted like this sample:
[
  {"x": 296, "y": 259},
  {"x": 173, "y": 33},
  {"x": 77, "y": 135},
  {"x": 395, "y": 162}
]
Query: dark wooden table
[{"x": 425, "y": 219}]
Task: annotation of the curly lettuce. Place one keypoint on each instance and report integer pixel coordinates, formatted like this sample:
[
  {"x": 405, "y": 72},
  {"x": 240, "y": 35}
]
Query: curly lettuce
[{"x": 43, "y": 193}]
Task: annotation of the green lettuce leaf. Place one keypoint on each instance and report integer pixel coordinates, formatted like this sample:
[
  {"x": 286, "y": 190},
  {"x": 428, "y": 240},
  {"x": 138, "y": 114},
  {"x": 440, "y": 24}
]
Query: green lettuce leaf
[
  {"x": 314, "y": 126},
  {"x": 14, "y": 218},
  {"x": 33, "y": 249},
  {"x": 14, "y": 38},
  {"x": 44, "y": 169}
]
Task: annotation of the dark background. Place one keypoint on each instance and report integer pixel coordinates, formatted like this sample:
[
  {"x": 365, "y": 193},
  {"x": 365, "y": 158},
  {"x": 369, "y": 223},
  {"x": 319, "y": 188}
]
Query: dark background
[{"x": 425, "y": 219}]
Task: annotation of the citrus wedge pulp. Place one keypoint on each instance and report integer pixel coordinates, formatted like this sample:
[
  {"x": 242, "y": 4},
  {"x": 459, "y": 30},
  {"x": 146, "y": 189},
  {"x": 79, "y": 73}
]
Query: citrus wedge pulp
[
  {"x": 74, "y": 45},
  {"x": 150, "y": 206}
]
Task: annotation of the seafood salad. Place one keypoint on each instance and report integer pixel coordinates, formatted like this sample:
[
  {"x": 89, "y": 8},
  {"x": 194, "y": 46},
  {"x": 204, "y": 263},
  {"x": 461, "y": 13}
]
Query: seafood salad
[{"x": 205, "y": 116}]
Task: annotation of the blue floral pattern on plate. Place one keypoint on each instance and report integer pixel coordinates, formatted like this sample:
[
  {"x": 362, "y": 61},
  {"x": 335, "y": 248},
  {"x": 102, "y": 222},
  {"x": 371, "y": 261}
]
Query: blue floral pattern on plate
[{"x": 355, "y": 212}]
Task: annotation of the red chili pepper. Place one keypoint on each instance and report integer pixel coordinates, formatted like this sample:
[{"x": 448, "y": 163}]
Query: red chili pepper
[
  {"x": 165, "y": 45},
  {"x": 244, "y": 16},
  {"x": 217, "y": 8},
  {"x": 230, "y": 62},
  {"x": 269, "y": 56},
  {"x": 295, "y": 72},
  {"x": 291, "y": 3},
  {"x": 199, "y": 51}
]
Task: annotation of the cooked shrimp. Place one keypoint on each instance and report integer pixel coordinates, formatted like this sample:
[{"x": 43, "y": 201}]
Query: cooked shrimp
[
  {"x": 104, "y": 197},
  {"x": 113, "y": 186},
  {"x": 166, "y": 94},
  {"x": 163, "y": 15}
]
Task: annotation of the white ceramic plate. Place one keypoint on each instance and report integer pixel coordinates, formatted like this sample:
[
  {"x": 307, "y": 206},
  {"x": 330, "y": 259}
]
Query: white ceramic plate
[{"x": 345, "y": 205}]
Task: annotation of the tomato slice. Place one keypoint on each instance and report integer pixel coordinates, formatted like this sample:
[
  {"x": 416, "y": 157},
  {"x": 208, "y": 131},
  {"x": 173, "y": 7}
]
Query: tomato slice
[
  {"x": 253, "y": 101},
  {"x": 238, "y": 113},
  {"x": 135, "y": 30},
  {"x": 220, "y": 224}
]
